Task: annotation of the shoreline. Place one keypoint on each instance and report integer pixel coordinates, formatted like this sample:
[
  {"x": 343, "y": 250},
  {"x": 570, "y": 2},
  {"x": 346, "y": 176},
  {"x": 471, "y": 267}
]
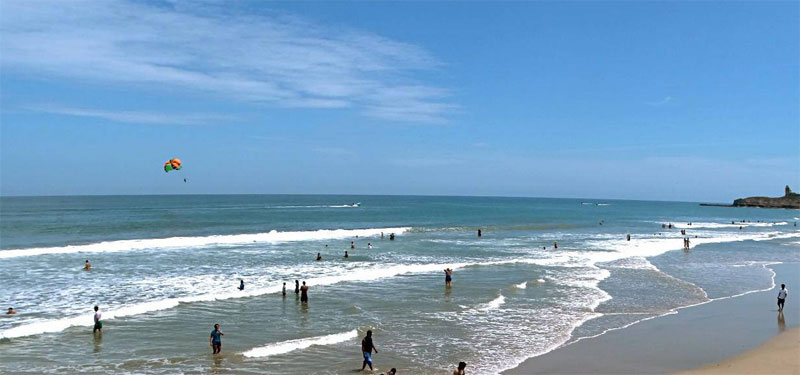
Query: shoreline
[
  {"x": 689, "y": 338},
  {"x": 776, "y": 356}
]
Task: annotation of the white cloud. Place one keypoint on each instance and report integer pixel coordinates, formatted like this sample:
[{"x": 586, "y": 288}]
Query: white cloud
[
  {"x": 136, "y": 117},
  {"x": 661, "y": 102},
  {"x": 210, "y": 49}
]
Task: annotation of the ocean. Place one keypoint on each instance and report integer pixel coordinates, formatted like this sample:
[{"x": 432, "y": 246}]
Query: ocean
[{"x": 165, "y": 269}]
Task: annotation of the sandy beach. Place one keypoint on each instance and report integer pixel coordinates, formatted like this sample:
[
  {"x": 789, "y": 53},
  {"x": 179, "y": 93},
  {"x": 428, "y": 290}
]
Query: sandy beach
[
  {"x": 780, "y": 355},
  {"x": 743, "y": 334}
]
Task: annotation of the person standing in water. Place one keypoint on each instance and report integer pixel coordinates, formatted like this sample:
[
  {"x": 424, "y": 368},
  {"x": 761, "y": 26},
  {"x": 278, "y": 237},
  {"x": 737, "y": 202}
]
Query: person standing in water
[
  {"x": 345, "y": 254},
  {"x": 241, "y": 284},
  {"x": 782, "y": 297},
  {"x": 461, "y": 369},
  {"x": 352, "y": 245},
  {"x": 319, "y": 257},
  {"x": 555, "y": 244},
  {"x": 369, "y": 245},
  {"x": 284, "y": 289},
  {"x": 629, "y": 237},
  {"x": 480, "y": 233},
  {"x": 367, "y": 346},
  {"x": 87, "y": 266},
  {"x": 215, "y": 339},
  {"x": 296, "y": 287},
  {"x": 304, "y": 293},
  {"x": 448, "y": 277},
  {"x": 98, "y": 324}
]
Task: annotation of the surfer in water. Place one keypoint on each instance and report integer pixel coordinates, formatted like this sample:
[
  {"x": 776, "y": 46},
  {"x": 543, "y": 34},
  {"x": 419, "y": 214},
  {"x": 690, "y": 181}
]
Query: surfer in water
[
  {"x": 241, "y": 284},
  {"x": 304, "y": 293}
]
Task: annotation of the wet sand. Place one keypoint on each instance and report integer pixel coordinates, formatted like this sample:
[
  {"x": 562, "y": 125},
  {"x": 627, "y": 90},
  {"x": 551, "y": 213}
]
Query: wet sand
[
  {"x": 694, "y": 338},
  {"x": 780, "y": 355}
]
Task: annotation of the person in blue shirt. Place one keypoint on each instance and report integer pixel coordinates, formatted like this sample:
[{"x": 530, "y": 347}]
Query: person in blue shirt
[{"x": 216, "y": 339}]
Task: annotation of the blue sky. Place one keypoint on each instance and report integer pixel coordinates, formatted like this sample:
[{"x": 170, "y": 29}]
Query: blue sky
[{"x": 693, "y": 101}]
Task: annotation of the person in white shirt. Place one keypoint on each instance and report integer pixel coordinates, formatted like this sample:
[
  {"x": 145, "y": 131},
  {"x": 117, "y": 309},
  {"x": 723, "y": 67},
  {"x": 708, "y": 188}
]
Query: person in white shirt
[
  {"x": 782, "y": 297},
  {"x": 98, "y": 324}
]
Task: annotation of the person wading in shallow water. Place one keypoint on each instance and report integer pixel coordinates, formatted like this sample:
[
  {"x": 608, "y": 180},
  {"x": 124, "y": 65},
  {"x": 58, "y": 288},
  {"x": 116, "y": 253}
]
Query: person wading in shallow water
[
  {"x": 215, "y": 339},
  {"x": 461, "y": 369},
  {"x": 366, "y": 348},
  {"x": 304, "y": 293}
]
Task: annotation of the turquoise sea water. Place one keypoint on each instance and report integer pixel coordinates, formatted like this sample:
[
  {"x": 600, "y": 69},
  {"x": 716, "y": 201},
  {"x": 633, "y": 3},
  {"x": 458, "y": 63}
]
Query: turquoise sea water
[{"x": 166, "y": 268}]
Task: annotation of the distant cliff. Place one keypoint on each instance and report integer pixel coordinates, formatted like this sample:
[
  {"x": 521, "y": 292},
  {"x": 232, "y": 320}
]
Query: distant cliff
[{"x": 789, "y": 200}]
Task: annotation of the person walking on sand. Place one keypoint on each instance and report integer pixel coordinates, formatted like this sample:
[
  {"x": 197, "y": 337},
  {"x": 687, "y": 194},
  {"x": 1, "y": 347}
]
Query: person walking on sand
[
  {"x": 98, "y": 324},
  {"x": 296, "y": 287},
  {"x": 448, "y": 277},
  {"x": 87, "y": 266},
  {"x": 782, "y": 297},
  {"x": 304, "y": 293},
  {"x": 367, "y": 346},
  {"x": 461, "y": 369},
  {"x": 215, "y": 339}
]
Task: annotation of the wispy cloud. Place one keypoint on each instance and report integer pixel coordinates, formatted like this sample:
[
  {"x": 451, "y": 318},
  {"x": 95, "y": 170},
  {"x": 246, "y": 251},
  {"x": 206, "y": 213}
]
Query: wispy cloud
[
  {"x": 661, "y": 102},
  {"x": 136, "y": 117},
  {"x": 267, "y": 58}
]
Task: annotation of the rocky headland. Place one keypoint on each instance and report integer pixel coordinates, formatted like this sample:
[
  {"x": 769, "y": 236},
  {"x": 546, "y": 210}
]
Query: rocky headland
[{"x": 789, "y": 200}]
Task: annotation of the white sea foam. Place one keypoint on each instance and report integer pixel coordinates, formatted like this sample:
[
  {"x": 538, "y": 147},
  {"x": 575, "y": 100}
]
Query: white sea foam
[
  {"x": 726, "y": 225},
  {"x": 289, "y": 346},
  {"x": 193, "y": 242},
  {"x": 522, "y": 285},
  {"x": 493, "y": 304},
  {"x": 40, "y": 326}
]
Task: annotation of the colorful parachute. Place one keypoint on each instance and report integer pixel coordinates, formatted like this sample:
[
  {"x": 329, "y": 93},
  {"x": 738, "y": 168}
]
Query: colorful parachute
[{"x": 172, "y": 165}]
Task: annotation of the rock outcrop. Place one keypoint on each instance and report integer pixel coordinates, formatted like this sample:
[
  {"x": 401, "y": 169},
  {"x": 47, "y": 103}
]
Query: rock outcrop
[{"x": 789, "y": 200}]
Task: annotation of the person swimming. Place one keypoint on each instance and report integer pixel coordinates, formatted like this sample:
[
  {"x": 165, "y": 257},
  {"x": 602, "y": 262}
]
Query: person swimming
[
  {"x": 241, "y": 284},
  {"x": 319, "y": 257},
  {"x": 369, "y": 245},
  {"x": 87, "y": 266},
  {"x": 345, "y": 254},
  {"x": 11, "y": 311}
]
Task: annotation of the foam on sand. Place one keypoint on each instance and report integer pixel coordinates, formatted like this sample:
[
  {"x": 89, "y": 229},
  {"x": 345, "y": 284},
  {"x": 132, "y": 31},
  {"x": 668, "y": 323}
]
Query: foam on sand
[
  {"x": 289, "y": 346},
  {"x": 184, "y": 242}
]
